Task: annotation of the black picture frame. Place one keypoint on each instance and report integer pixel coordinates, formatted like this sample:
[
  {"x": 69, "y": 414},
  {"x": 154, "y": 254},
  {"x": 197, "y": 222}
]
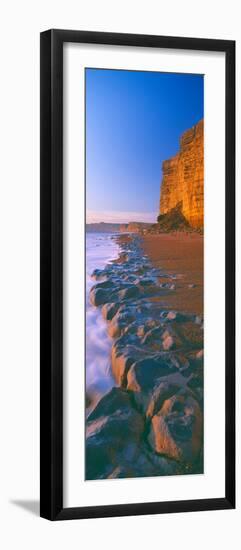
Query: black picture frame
[{"x": 51, "y": 323}]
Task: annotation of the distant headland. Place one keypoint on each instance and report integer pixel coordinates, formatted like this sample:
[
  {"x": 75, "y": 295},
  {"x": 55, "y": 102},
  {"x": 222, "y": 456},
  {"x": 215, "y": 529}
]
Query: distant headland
[{"x": 103, "y": 227}]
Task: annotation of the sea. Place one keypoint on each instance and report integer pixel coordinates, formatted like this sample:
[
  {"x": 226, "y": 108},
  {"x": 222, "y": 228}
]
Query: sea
[{"x": 101, "y": 248}]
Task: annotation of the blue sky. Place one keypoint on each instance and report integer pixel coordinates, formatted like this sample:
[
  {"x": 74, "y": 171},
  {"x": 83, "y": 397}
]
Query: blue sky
[{"x": 134, "y": 120}]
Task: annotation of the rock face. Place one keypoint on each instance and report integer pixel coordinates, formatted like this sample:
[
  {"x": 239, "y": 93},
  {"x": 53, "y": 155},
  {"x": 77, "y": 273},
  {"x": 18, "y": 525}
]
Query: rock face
[
  {"x": 134, "y": 227},
  {"x": 103, "y": 227},
  {"x": 183, "y": 177}
]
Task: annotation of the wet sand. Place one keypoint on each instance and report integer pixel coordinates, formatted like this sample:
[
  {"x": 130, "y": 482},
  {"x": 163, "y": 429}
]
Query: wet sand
[{"x": 181, "y": 256}]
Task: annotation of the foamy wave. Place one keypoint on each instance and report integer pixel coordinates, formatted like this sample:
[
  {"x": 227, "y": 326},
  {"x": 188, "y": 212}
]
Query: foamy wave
[{"x": 100, "y": 249}]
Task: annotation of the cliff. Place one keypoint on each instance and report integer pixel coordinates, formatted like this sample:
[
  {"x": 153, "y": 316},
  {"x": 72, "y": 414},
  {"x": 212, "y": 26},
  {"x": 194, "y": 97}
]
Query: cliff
[
  {"x": 104, "y": 227},
  {"x": 183, "y": 178},
  {"x": 134, "y": 227}
]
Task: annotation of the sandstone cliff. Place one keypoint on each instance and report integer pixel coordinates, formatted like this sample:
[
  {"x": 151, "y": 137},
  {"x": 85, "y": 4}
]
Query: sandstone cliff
[
  {"x": 102, "y": 227},
  {"x": 105, "y": 227},
  {"x": 183, "y": 178},
  {"x": 134, "y": 227}
]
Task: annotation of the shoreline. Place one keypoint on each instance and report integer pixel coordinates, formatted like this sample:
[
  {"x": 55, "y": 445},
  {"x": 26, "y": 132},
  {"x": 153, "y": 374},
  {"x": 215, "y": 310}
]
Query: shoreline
[
  {"x": 152, "y": 422},
  {"x": 100, "y": 250}
]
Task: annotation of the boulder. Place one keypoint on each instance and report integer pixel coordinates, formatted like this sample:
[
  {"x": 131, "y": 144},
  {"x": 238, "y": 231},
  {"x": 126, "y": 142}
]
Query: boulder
[
  {"x": 152, "y": 337},
  {"x": 178, "y": 334},
  {"x": 99, "y": 296},
  {"x": 109, "y": 310},
  {"x": 161, "y": 392},
  {"x": 177, "y": 430},
  {"x": 161, "y": 440},
  {"x": 113, "y": 434},
  {"x": 104, "y": 285},
  {"x": 120, "y": 322},
  {"x": 147, "y": 464},
  {"x": 170, "y": 339},
  {"x": 151, "y": 397},
  {"x": 146, "y": 372},
  {"x": 98, "y": 274},
  {"x": 127, "y": 293},
  {"x": 172, "y": 315},
  {"x": 121, "y": 361}
]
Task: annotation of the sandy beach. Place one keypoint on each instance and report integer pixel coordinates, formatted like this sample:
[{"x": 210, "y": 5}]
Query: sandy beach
[
  {"x": 181, "y": 255},
  {"x": 151, "y": 421}
]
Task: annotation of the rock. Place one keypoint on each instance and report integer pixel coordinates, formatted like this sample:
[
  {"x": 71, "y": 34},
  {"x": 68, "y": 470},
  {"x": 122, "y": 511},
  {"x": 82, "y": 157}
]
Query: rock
[
  {"x": 146, "y": 373},
  {"x": 115, "y": 330},
  {"x": 176, "y": 316},
  {"x": 145, "y": 282},
  {"x": 177, "y": 431},
  {"x": 123, "y": 257},
  {"x": 163, "y": 391},
  {"x": 180, "y": 361},
  {"x": 98, "y": 274},
  {"x": 109, "y": 310},
  {"x": 152, "y": 423},
  {"x": 195, "y": 380},
  {"x": 121, "y": 361},
  {"x": 146, "y": 465},
  {"x": 172, "y": 335},
  {"x": 152, "y": 396},
  {"x": 113, "y": 434},
  {"x": 99, "y": 296},
  {"x": 170, "y": 339},
  {"x": 182, "y": 335},
  {"x": 140, "y": 269},
  {"x": 140, "y": 331},
  {"x": 155, "y": 465},
  {"x": 115, "y": 399},
  {"x": 120, "y": 322},
  {"x": 109, "y": 285},
  {"x": 161, "y": 336},
  {"x": 161, "y": 439},
  {"x": 183, "y": 178},
  {"x": 151, "y": 323},
  {"x": 127, "y": 293},
  {"x": 152, "y": 337},
  {"x": 121, "y": 472},
  {"x": 169, "y": 286},
  {"x": 171, "y": 315},
  {"x": 129, "y": 278}
]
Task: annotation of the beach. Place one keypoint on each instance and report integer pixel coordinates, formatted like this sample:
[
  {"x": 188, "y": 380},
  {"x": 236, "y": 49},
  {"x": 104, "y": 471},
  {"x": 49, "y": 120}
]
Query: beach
[
  {"x": 180, "y": 254},
  {"x": 150, "y": 422}
]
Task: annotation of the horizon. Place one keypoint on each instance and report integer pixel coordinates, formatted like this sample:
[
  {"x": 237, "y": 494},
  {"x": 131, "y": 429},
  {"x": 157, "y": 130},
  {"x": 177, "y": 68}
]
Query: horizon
[
  {"x": 134, "y": 121},
  {"x": 120, "y": 217}
]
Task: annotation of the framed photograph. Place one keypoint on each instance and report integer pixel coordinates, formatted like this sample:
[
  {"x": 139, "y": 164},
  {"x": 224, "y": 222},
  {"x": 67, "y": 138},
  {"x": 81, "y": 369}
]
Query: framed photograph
[{"x": 137, "y": 274}]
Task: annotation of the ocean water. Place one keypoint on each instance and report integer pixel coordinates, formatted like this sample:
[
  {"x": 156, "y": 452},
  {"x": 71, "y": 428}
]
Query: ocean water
[{"x": 101, "y": 248}]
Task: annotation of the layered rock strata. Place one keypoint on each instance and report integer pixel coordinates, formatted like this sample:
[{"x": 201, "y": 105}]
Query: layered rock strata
[
  {"x": 183, "y": 177},
  {"x": 151, "y": 423}
]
